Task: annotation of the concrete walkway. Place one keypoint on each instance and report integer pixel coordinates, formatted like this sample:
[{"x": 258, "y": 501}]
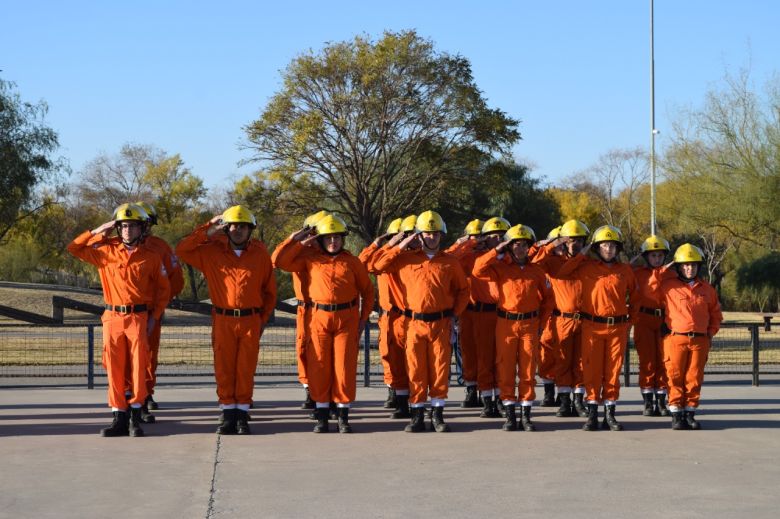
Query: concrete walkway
[{"x": 54, "y": 464}]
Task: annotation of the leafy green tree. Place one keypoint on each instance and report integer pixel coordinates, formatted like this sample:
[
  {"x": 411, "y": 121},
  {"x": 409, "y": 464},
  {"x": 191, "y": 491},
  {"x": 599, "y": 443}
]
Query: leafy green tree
[
  {"x": 376, "y": 126},
  {"x": 26, "y": 148}
]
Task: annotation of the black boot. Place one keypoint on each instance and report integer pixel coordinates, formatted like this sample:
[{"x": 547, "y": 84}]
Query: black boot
[
  {"x": 549, "y": 395},
  {"x": 146, "y": 416},
  {"x": 489, "y": 409},
  {"x": 688, "y": 416},
  {"x": 308, "y": 403},
  {"x": 322, "y": 414},
  {"x": 135, "y": 422},
  {"x": 511, "y": 418},
  {"x": 648, "y": 399},
  {"x": 525, "y": 418},
  {"x": 678, "y": 423},
  {"x": 660, "y": 405},
  {"x": 579, "y": 405},
  {"x": 499, "y": 407},
  {"x": 151, "y": 404},
  {"x": 437, "y": 420},
  {"x": 344, "y": 426},
  {"x": 229, "y": 419},
  {"x": 418, "y": 420},
  {"x": 610, "y": 422},
  {"x": 118, "y": 426},
  {"x": 472, "y": 399},
  {"x": 592, "y": 424},
  {"x": 402, "y": 411},
  {"x": 333, "y": 411},
  {"x": 565, "y": 410},
  {"x": 242, "y": 422},
  {"x": 390, "y": 403}
]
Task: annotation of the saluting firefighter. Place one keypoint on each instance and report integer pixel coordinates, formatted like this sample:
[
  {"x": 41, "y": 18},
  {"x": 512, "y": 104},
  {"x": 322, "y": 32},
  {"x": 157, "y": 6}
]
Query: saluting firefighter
[
  {"x": 436, "y": 291},
  {"x": 548, "y": 347},
  {"x": 242, "y": 289},
  {"x": 391, "y": 343},
  {"x": 135, "y": 290},
  {"x": 478, "y": 321},
  {"x": 692, "y": 313},
  {"x": 176, "y": 281},
  {"x": 524, "y": 303},
  {"x": 338, "y": 283},
  {"x": 648, "y": 339},
  {"x": 301, "y": 282},
  {"x": 564, "y": 331},
  {"x": 609, "y": 304}
]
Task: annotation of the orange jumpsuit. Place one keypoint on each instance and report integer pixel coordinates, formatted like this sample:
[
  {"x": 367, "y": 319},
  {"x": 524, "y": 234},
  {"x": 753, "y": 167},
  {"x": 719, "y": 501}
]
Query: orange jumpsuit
[
  {"x": 524, "y": 302},
  {"x": 336, "y": 282},
  {"x": 693, "y": 315},
  {"x": 129, "y": 278},
  {"x": 176, "y": 280},
  {"x": 242, "y": 289},
  {"x": 436, "y": 290},
  {"x": 477, "y": 323},
  {"x": 647, "y": 333},
  {"x": 562, "y": 337},
  {"x": 300, "y": 282},
  {"x": 391, "y": 350},
  {"x": 609, "y": 293}
]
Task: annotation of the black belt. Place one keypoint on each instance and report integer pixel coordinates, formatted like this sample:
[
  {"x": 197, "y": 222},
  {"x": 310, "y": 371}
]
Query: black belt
[
  {"x": 618, "y": 319},
  {"x": 503, "y": 314},
  {"x": 690, "y": 334},
  {"x": 658, "y": 312},
  {"x": 568, "y": 315},
  {"x": 482, "y": 307},
  {"x": 336, "y": 307},
  {"x": 236, "y": 312},
  {"x": 394, "y": 309},
  {"x": 126, "y": 309},
  {"x": 305, "y": 304},
  {"x": 435, "y": 316}
]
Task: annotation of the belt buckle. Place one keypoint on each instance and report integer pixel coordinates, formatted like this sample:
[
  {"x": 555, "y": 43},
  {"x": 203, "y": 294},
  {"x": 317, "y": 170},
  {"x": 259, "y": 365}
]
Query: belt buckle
[
  {"x": 576, "y": 316},
  {"x": 121, "y": 309},
  {"x": 236, "y": 312},
  {"x": 691, "y": 335},
  {"x": 610, "y": 321},
  {"x": 658, "y": 312}
]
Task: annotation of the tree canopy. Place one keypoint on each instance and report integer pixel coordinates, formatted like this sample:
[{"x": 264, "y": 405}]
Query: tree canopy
[{"x": 376, "y": 127}]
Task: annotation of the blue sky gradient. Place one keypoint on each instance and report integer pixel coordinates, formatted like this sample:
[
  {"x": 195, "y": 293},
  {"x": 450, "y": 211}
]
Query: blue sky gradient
[{"x": 186, "y": 76}]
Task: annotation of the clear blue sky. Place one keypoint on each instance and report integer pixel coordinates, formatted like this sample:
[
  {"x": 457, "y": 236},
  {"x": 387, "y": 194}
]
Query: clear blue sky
[{"x": 187, "y": 75}]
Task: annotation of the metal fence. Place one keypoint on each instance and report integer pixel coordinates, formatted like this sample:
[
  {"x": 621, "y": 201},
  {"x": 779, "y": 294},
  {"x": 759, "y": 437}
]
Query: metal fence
[{"x": 38, "y": 355}]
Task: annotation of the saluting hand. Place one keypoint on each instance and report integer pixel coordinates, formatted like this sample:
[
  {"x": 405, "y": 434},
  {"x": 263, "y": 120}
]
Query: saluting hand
[
  {"x": 215, "y": 226},
  {"x": 501, "y": 247},
  {"x": 104, "y": 229},
  {"x": 301, "y": 234},
  {"x": 408, "y": 240},
  {"x": 395, "y": 240}
]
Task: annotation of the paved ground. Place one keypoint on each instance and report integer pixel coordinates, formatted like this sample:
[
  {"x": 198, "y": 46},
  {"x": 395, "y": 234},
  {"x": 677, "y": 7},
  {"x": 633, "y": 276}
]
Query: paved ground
[{"x": 55, "y": 465}]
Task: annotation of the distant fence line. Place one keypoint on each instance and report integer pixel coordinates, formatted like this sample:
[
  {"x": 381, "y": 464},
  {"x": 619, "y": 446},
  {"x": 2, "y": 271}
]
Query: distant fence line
[{"x": 38, "y": 355}]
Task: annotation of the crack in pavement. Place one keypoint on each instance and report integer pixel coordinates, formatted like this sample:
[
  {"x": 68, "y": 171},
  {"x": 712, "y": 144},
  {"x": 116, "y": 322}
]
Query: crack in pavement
[{"x": 210, "y": 511}]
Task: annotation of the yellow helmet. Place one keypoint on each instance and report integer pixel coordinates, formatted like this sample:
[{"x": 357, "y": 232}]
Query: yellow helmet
[
  {"x": 331, "y": 224},
  {"x": 687, "y": 253},
  {"x": 555, "y": 233},
  {"x": 607, "y": 233},
  {"x": 653, "y": 243},
  {"x": 130, "y": 213},
  {"x": 496, "y": 224},
  {"x": 394, "y": 226},
  {"x": 474, "y": 227},
  {"x": 149, "y": 211},
  {"x": 239, "y": 214},
  {"x": 431, "y": 221},
  {"x": 574, "y": 229},
  {"x": 311, "y": 221},
  {"x": 520, "y": 232},
  {"x": 409, "y": 224}
]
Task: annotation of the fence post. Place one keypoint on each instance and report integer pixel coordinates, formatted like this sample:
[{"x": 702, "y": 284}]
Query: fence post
[
  {"x": 367, "y": 355},
  {"x": 90, "y": 356},
  {"x": 627, "y": 365},
  {"x": 754, "y": 348}
]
